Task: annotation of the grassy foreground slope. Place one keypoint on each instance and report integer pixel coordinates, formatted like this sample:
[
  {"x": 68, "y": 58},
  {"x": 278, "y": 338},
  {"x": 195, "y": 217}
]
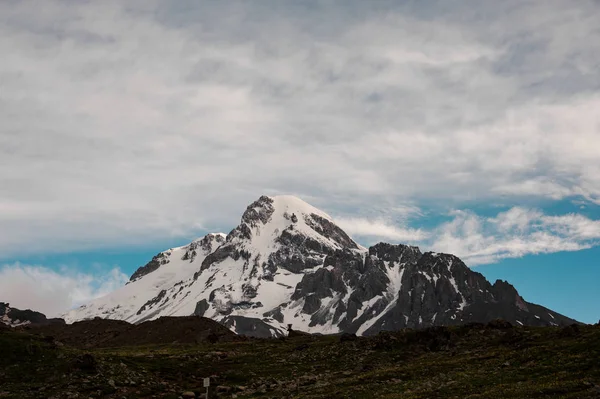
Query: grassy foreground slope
[{"x": 476, "y": 361}]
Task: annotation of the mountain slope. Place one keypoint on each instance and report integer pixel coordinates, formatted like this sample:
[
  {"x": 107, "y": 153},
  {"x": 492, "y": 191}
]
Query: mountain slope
[
  {"x": 144, "y": 296},
  {"x": 289, "y": 263}
]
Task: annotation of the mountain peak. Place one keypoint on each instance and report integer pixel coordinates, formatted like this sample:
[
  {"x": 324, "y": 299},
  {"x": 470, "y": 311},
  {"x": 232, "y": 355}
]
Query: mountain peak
[
  {"x": 288, "y": 262},
  {"x": 270, "y": 222},
  {"x": 290, "y": 203},
  {"x": 265, "y": 208}
]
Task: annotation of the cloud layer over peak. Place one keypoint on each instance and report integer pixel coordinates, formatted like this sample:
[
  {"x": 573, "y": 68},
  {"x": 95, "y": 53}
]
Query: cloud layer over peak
[{"x": 127, "y": 123}]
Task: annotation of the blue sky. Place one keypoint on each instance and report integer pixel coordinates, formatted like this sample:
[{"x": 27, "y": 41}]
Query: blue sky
[{"x": 468, "y": 128}]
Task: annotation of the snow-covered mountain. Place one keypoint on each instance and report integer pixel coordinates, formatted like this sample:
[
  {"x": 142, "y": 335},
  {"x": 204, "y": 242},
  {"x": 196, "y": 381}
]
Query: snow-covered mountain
[{"x": 289, "y": 263}]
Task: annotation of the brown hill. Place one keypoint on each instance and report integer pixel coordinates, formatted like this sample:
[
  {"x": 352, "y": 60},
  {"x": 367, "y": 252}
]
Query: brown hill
[{"x": 103, "y": 333}]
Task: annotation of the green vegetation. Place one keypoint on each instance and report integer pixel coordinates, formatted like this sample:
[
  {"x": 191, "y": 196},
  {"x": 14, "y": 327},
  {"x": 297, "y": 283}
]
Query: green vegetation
[{"x": 458, "y": 362}]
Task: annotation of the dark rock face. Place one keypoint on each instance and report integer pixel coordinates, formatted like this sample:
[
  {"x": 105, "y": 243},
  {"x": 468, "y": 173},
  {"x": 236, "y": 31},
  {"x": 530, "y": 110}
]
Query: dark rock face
[
  {"x": 299, "y": 252},
  {"x": 250, "y": 327},
  {"x": 156, "y": 262},
  {"x": 218, "y": 256},
  {"x": 432, "y": 291},
  {"x": 395, "y": 253},
  {"x": 201, "y": 308},
  {"x": 259, "y": 212},
  {"x": 275, "y": 314},
  {"x": 205, "y": 245},
  {"x": 154, "y": 301},
  {"x": 312, "y": 303},
  {"x": 296, "y": 253},
  {"x": 330, "y": 230},
  {"x": 349, "y": 273},
  {"x": 428, "y": 290}
]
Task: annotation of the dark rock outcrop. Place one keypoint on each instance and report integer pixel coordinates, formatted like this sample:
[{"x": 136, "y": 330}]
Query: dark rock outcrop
[
  {"x": 206, "y": 245},
  {"x": 201, "y": 308},
  {"x": 275, "y": 314},
  {"x": 251, "y": 327},
  {"x": 157, "y": 261},
  {"x": 430, "y": 289},
  {"x": 154, "y": 301}
]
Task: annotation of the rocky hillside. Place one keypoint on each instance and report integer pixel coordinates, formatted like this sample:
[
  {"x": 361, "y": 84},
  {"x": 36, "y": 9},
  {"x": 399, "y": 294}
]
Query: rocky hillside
[
  {"x": 102, "y": 333},
  {"x": 495, "y": 360},
  {"x": 289, "y": 263}
]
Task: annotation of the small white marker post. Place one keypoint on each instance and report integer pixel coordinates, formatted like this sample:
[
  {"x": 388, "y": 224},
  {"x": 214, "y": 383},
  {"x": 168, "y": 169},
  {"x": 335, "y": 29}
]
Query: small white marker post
[{"x": 206, "y": 385}]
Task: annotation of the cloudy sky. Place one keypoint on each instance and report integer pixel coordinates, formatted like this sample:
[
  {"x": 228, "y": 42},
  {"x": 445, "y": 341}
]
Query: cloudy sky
[{"x": 465, "y": 127}]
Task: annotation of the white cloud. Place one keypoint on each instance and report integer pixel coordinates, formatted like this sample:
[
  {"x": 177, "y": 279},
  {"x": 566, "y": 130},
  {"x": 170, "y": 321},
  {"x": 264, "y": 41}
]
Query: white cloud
[
  {"x": 52, "y": 292},
  {"x": 573, "y": 225},
  {"x": 514, "y": 233},
  {"x": 369, "y": 229},
  {"x": 534, "y": 187},
  {"x": 516, "y": 219},
  {"x": 478, "y": 239},
  {"x": 123, "y": 124}
]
